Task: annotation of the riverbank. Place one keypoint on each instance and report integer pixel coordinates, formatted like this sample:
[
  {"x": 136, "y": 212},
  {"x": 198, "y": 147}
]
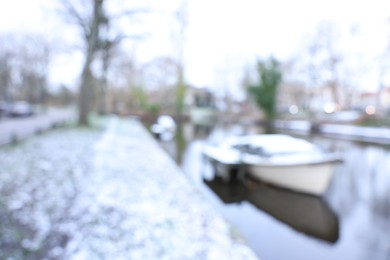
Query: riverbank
[{"x": 107, "y": 193}]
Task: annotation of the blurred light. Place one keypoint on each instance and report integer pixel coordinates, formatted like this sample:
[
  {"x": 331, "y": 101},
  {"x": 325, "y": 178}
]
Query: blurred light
[
  {"x": 293, "y": 109},
  {"x": 329, "y": 108},
  {"x": 370, "y": 110}
]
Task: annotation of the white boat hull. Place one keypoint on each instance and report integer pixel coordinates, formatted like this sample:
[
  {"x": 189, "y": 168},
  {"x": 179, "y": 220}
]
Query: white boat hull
[
  {"x": 307, "y": 178},
  {"x": 281, "y": 160}
]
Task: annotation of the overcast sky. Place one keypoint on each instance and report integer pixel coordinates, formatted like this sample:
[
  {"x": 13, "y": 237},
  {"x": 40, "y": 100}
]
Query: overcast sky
[
  {"x": 223, "y": 36},
  {"x": 231, "y": 32}
]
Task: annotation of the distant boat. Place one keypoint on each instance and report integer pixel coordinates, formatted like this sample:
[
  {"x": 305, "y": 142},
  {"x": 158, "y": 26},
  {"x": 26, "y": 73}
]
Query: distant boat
[
  {"x": 164, "y": 128},
  {"x": 278, "y": 159},
  {"x": 305, "y": 213}
]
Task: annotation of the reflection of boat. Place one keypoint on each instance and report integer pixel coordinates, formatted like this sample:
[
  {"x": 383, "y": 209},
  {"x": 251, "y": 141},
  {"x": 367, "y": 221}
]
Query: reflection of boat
[
  {"x": 305, "y": 213},
  {"x": 278, "y": 159},
  {"x": 228, "y": 192}
]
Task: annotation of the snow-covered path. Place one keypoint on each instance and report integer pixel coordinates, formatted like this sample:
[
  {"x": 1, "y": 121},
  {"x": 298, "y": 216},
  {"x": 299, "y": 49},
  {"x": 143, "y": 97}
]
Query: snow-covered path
[{"x": 84, "y": 194}]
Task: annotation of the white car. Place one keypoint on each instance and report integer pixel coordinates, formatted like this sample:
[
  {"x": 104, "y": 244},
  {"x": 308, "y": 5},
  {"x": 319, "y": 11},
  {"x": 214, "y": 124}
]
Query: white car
[
  {"x": 20, "y": 109},
  {"x": 4, "y": 108}
]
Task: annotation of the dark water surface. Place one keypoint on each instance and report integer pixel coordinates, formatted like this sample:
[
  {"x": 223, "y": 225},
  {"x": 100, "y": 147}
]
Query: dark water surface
[{"x": 351, "y": 221}]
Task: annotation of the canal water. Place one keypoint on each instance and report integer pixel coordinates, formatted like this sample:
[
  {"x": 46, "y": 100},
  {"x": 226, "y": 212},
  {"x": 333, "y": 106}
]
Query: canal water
[{"x": 351, "y": 221}]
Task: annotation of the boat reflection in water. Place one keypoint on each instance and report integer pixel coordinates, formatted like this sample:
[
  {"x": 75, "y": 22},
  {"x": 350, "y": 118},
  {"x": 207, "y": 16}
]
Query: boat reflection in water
[{"x": 305, "y": 213}]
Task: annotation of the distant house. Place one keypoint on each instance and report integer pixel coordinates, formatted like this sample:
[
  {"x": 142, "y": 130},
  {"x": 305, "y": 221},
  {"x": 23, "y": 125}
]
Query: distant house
[
  {"x": 291, "y": 94},
  {"x": 202, "y": 104},
  {"x": 367, "y": 99},
  {"x": 203, "y": 98},
  {"x": 302, "y": 97},
  {"x": 384, "y": 99}
]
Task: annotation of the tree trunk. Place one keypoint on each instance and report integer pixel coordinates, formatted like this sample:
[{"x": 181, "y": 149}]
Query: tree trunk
[
  {"x": 102, "y": 98},
  {"x": 86, "y": 87},
  {"x": 103, "y": 82},
  {"x": 85, "y": 96},
  {"x": 180, "y": 93}
]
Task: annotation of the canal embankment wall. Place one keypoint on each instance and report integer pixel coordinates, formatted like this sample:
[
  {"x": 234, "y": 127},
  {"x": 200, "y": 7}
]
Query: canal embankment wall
[{"x": 379, "y": 135}]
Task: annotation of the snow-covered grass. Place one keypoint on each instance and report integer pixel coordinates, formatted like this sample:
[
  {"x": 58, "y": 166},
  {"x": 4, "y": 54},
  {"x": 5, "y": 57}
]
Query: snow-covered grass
[{"x": 105, "y": 194}]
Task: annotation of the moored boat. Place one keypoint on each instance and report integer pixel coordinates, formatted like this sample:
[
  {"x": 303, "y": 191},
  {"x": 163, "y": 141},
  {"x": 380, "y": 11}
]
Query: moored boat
[
  {"x": 164, "y": 128},
  {"x": 278, "y": 159}
]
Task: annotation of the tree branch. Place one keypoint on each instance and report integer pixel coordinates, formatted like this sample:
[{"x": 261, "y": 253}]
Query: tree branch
[
  {"x": 77, "y": 18},
  {"x": 130, "y": 13}
]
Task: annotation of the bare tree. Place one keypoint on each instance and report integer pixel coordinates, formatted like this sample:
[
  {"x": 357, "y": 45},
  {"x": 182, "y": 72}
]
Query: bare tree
[
  {"x": 383, "y": 74},
  {"x": 107, "y": 46},
  {"x": 94, "y": 22},
  {"x": 161, "y": 78},
  {"x": 5, "y": 75},
  {"x": 24, "y": 63},
  {"x": 319, "y": 64},
  {"x": 89, "y": 17},
  {"x": 90, "y": 27},
  {"x": 34, "y": 63},
  {"x": 179, "y": 42}
]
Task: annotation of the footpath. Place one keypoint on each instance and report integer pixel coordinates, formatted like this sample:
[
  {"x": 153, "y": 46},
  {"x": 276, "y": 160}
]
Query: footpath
[{"x": 87, "y": 194}]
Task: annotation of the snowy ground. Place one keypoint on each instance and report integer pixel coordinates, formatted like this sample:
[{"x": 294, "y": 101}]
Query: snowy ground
[{"x": 112, "y": 194}]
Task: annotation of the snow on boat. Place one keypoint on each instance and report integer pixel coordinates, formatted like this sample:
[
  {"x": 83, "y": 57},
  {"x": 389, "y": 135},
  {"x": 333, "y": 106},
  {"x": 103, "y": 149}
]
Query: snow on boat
[{"x": 277, "y": 159}]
